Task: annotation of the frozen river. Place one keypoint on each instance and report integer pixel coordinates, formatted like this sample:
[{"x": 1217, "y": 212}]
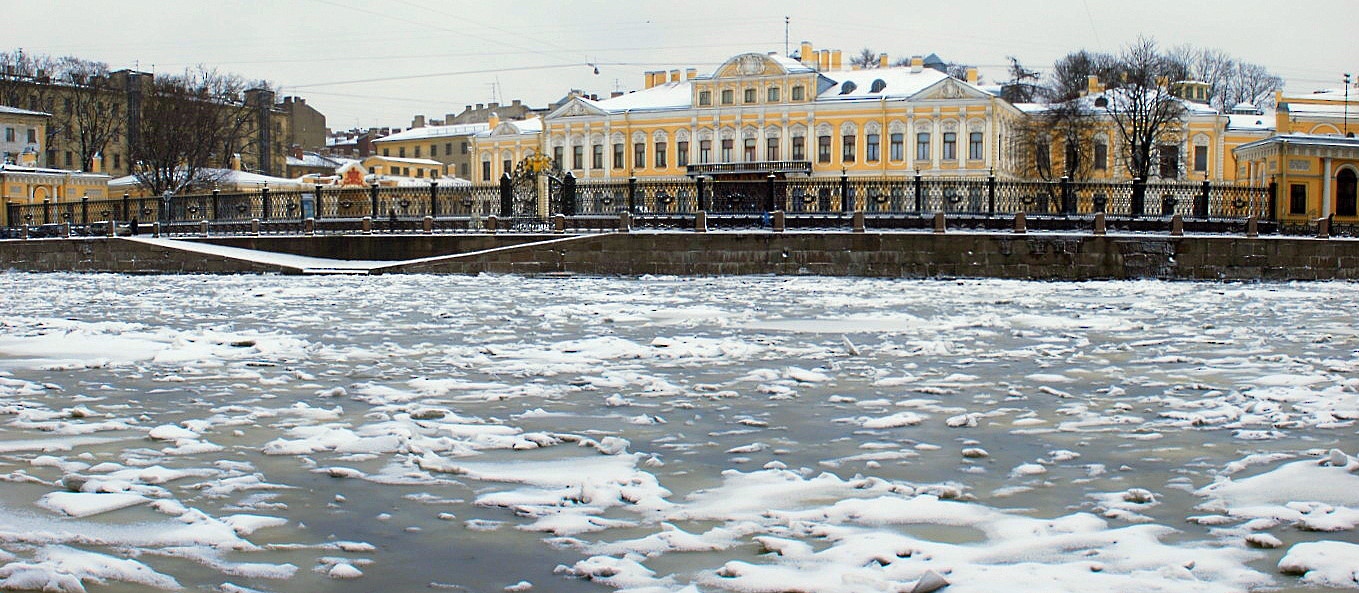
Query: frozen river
[{"x": 410, "y": 433}]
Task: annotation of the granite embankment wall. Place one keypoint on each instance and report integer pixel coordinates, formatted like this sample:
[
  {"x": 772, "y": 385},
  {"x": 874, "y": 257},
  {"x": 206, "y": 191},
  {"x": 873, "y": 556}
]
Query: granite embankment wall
[{"x": 911, "y": 255}]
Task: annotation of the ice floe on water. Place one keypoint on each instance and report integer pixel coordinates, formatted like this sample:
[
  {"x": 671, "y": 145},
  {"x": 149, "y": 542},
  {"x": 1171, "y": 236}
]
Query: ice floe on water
[{"x": 676, "y": 435}]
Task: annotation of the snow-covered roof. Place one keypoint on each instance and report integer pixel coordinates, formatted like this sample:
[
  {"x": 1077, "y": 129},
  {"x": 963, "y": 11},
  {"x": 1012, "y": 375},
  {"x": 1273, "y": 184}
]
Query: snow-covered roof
[
  {"x": 671, "y": 95},
  {"x": 532, "y": 125},
  {"x": 227, "y": 177},
  {"x": 12, "y": 168},
  {"x": 4, "y": 109},
  {"x": 409, "y": 161},
  {"x": 314, "y": 160},
  {"x": 401, "y": 181},
  {"x": 1313, "y": 140},
  {"x": 1251, "y": 121},
  {"x": 896, "y": 83},
  {"x": 436, "y": 132}
]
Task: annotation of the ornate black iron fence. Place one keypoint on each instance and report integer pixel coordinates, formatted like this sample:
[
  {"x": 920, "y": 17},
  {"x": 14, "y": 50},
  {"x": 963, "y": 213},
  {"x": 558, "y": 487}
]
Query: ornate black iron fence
[{"x": 667, "y": 202}]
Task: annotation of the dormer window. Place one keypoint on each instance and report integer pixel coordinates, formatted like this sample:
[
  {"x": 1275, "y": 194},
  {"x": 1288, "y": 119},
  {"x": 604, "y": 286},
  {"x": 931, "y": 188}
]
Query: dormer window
[
  {"x": 1102, "y": 102},
  {"x": 878, "y": 86},
  {"x": 797, "y": 93},
  {"x": 848, "y": 87}
]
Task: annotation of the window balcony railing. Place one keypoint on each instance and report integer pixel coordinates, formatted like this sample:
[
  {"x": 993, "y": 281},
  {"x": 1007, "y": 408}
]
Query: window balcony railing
[{"x": 751, "y": 167}]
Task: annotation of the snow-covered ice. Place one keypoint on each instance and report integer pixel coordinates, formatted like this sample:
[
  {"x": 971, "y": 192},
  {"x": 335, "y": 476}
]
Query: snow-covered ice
[{"x": 676, "y": 435}]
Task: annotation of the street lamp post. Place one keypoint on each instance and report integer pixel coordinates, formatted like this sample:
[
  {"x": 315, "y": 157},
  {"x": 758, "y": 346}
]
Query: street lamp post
[{"x": 1347, "y": 106}]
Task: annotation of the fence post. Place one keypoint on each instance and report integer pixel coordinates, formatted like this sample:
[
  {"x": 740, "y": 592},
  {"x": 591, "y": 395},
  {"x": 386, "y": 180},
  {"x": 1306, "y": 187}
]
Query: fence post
[
  {"x": 216, "y": 203},
  {"x": 1176, "y": 226},
  {"x": 264, "y": 203},
  {"x": 85, "y": 211},
  {"x": 127, "y": 207},
  {"x": 1252, "y": 227},
  {"x": 847, "y": 204},
  {"x": 373, "y": 200},
  {"x": 632, "y": 194},
  {"x": 1273, "y": 199},
  {"x": 433, "y": 199},
  {"x": 1139, "y": 197},
  {"x": 1201, "y": 200},
  {"x": 769, "y": 193},
  {"x": 569, "y": 194},
  {"x": 506, "y": 196},
  {"x": 991, "y": 194},
  {"x": 11, "y": 214},
  {"x": 701, "y": 221},
  {"x": 702, "y": 199},
  {"x": 1068, "y": 197},
  {"x": 919, "y": 194}
]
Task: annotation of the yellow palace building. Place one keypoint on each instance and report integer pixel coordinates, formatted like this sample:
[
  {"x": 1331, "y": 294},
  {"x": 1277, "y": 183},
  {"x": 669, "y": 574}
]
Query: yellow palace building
[{"x": 760, "y": 114}]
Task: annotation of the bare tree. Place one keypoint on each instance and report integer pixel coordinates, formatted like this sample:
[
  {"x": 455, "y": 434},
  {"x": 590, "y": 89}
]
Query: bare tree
[
  {"x": 957, "y": 70},
  {"x": 187, "y": 127},
  {"x": 1230, "y": 81},
  {"x": 1141, "y": 106},
  {"x": 1070, "y": 127},
  {"x": 25, "y": 83},
  {"x": 865, "y": 59},
  {"x": 1023, "y": 85},
  {"x": 1071, "y": 74},
  {"x": 1251, "y": 83},
  {"x": 91, "y": 114}
]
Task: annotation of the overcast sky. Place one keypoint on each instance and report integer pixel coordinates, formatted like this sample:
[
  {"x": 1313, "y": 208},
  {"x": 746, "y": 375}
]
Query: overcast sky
[{"x": 379, "y": 62}]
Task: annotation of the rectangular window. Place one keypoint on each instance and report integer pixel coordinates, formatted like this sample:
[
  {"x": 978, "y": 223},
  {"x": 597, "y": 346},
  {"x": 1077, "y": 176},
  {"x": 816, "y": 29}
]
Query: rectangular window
[
  {"x": 433, "y": 150},
  {"x": 448, "y": 149},
  {"x": 417, "y": 152},
  {"x": 705, "y": 151},
  {"x": 1101, "y": 155},
  {"x": 847, "y": 154},
  {"x": 896, "y": 144},
  {"x": 639, "y": 155},
  {"x": 386, "y": 152},
  {"x": 705, "y": 98},
  {"x": 682, "y": 154},
  {"x": 799, "y": 148},
  {"x": 577, "y": 157},
  {"x": 1201, "y": 159},
  {"x": 117, "y": 161},
  {"x": 872, "y": 149},
  {"x": 773, "y": 94},
  {"x": 749, "y": 95},
  {"x": 1297, "y": 198},
  {"x": 823, "y": 149},
  {"x": 797, "y": 93},
  {"x": 466, "y": 147},
  {"x": 401, "y": 152},
  {"x": 1170, "y": 162},
  {"x": 597, "y": 156},
  {"x": 727, "y": 145},
  {"x": 485, "y": 170},
  {"x": 771, "y": 149},
  {"x": 558, "y": 157},
  {"x": 974, "y": 146},
  {"x": 748, "y": 150},
  {"x": 1042, "y": 159},
  {"x": 922, "y": 146},
  {"x": 70, "y": 159},
  {"x": 9, "y": 134},
  {"x": 32, "y": 135},
  {"x": 506, "y": 165},
  {"x": 950, "y": 146},
  {"x": 618, "y": 156},
  {"x": 727, "y": 97},
  {"x": 660, "y": 155}
]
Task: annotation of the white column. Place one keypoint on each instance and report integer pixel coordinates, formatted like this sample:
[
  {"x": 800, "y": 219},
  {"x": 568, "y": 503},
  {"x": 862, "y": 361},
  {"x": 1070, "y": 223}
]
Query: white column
[{"x": 1326, "y": 197}]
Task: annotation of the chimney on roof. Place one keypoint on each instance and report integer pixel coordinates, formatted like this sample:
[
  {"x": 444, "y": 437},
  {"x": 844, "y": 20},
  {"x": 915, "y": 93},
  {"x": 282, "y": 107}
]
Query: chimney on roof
[
  {"x": 674, "y": 76},
  {"x": 615, "y": 94},
  {"x": 882, "y": 60},
  {"x": 494, "y": 120},
  {"x": 480, "y": 106},
  {"x": 917, "y": 64},
  {"x": 835, "y": 60},
  {"x": 822, "y": 60},
  {"x": 492, "y": 105},
  {"x": 972, "y": 76},
  {"x": 516, "y": 103},
  {"x": 418, "y": 122},
  {"x": 806, "y": 54},
  {"x": 297, "y": 152},
  {"x": 1092, "y": 85},
  {"x": 690, "y": 73}
]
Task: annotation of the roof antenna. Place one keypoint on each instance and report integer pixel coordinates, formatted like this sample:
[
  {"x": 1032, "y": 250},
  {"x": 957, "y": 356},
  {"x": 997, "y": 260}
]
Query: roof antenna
[{"x": 785, "y": 38}]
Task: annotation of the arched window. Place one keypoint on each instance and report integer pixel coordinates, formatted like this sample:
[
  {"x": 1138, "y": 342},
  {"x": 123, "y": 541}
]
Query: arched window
[
  {"x": 878, "y": 85},
  {"x": 1345, "y": 186},
  {"x": 848, "y": 87}
]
